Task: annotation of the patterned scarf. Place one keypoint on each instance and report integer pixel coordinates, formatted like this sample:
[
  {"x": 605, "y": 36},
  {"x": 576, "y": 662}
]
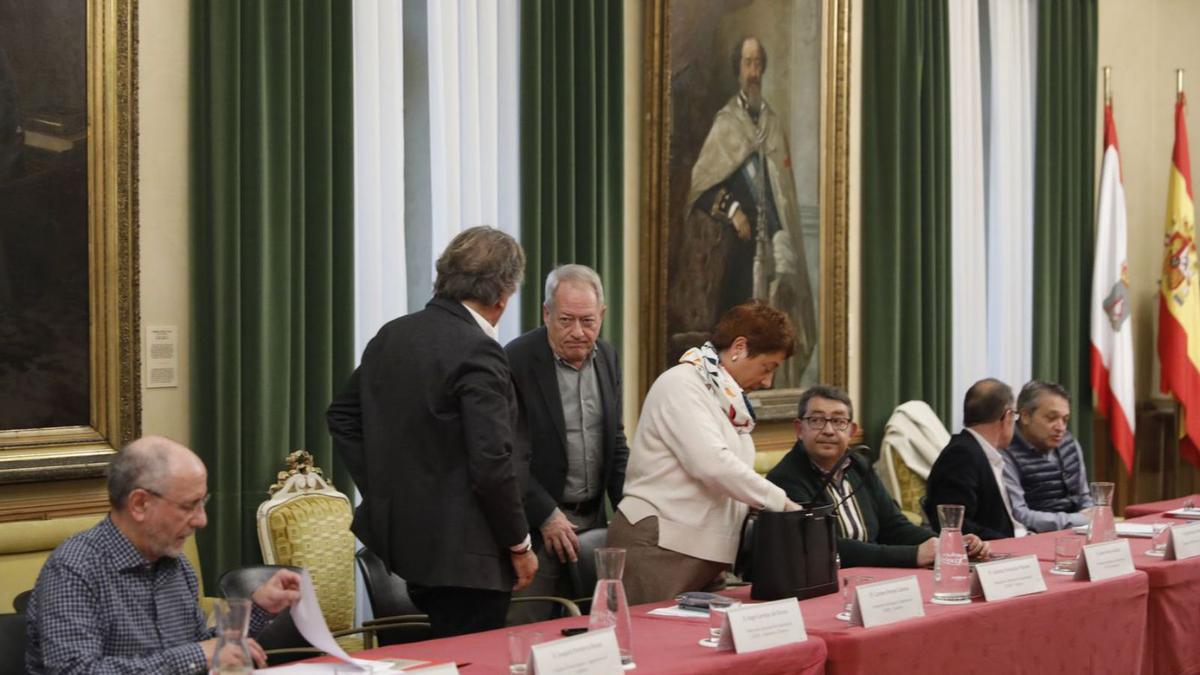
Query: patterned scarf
[{"x": 728, "y": 393}]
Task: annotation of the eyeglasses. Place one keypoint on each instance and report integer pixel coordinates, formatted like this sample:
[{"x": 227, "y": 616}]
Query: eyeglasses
[
  {"x": 193, "y": 507},
  {"x": 817, "y": 423}
]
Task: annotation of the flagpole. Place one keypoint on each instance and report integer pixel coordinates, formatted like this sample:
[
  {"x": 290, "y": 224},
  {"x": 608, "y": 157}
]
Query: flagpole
[
  {"x": 1179, "y": 84},
  {"x": 1107, "y": 85}
]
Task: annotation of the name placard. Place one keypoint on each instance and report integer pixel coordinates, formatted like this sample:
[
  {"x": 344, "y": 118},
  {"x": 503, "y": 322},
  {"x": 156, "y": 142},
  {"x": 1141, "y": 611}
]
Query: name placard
[
  {"x": 885, "y": 602},
  {"x": 1011, "y": 578},
  {"x": 592, "y": 653},
  {"x": 752, "y": 628},
  {"x": 1184, "y": 542},
  {"x": 1105, "y": 560}
]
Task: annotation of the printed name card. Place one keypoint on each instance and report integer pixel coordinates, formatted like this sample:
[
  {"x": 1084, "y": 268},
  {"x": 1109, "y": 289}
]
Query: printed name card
[
  {"x": 1105, "y": 560},
  {"x": 885, "y": 602},
  {"x": 1011, "y": 578},
  {"x": 592, "y": 653},
  {"x": 1184, "y": 542},
  {"x": 752, "y": 628}
]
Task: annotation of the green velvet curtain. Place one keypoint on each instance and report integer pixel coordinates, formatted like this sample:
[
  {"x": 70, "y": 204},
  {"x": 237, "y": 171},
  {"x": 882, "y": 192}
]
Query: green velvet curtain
[
  {"x": 905, "y": 209},
  {"x": 571, "y": 147},
  {"x": 1064, "y": 202},
  {"x": 272, "y": 249}
]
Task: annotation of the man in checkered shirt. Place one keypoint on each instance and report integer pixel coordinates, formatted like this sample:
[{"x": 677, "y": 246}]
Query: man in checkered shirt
[{"x": 120, "y": 597}]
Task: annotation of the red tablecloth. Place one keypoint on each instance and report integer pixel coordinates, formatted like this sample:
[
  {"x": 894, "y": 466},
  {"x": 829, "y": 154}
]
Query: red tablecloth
[
  {"x": 1151, "y": 508},
  {"x": 1173, "y": 606},
  {"x": 666, "y": 646},
  {"x": 1075, "y": 627},
  {"x": 1173, "y": 613}
]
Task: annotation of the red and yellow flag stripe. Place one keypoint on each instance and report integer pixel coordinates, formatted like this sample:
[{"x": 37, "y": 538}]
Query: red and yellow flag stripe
[{"x": 1179, "y": 295}]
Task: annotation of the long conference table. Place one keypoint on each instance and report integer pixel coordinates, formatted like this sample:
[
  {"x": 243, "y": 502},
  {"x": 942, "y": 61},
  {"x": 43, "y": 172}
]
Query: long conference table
[{"x": 1146, "y": 622}]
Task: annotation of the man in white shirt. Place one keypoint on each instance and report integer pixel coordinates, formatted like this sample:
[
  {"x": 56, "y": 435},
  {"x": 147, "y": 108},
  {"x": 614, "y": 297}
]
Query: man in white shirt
[{"x": 970, "y": 471}]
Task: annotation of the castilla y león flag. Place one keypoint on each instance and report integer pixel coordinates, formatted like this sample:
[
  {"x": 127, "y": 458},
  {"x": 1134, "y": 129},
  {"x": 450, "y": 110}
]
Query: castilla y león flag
[
  {"x": 1179, "y": 297},
  {"x": 1112, "y": 343}
]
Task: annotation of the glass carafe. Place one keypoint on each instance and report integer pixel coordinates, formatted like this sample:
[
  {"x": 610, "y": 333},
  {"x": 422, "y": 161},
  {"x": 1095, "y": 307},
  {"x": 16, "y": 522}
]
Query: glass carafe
[
  {"x": 951, "y": 571},
  {"x": 232, "y": 653},
  {"x": 609, "y": 607},
  {"x": 1102, "y": 527}
]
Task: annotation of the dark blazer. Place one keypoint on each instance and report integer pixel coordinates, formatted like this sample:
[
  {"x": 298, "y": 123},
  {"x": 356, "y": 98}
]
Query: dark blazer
[
  {"x": 537, "y": 386},
  {"x": 962, "y": 475},
  {"x": 892, "y": 540},
  {"x": 429, "y": 428}
]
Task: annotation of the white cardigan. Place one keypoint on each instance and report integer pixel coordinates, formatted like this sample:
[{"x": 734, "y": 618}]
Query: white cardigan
[{"x": 692, "y": 469}]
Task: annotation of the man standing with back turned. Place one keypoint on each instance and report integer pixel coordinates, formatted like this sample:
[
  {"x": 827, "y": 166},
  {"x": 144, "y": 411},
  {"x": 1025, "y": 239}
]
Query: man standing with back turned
[{"x": 429, "y": 429}]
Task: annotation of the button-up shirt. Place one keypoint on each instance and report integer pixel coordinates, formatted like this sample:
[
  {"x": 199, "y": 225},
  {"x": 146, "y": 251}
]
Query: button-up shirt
[
  {"x": 849, "y": 513},
  {"x": 584, "y": 417},
  {"x": 996, "y": 461},
  {"x": 488, "y": 328},
  {"x": 100, "y": 607}
]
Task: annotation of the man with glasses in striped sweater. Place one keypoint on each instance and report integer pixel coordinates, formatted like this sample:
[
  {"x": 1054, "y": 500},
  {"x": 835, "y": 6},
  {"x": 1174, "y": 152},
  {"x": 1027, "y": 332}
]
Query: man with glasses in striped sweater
[{"x": 821, "y": 470}]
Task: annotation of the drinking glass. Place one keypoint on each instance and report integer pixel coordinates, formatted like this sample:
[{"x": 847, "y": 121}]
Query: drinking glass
[
  {"x": 520, "y": 644},
  {"x": 1066, "y": 554},
  {"x": 1158, "y": 548},
  {"x": 717, "y": 609},
  {"x": 850, "y": 584}
]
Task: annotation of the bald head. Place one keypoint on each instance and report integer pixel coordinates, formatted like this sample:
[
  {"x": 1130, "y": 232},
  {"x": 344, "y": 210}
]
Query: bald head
[
  {"x": 987, "y": 401},
  {"x": 148, "y": 463}
]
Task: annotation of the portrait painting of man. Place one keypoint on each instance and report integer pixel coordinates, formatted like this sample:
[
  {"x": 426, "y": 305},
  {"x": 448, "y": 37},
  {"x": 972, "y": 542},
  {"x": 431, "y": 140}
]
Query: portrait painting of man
[{"x": 744, "y": 169}]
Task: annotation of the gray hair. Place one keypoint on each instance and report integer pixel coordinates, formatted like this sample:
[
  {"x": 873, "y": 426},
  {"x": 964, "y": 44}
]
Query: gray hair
[
  {"x": 481, "y": 264},
  {"x": 1032, "y": 392},
  {"x": 577, "y": 273},
  {"x": 144, "y": 463}
]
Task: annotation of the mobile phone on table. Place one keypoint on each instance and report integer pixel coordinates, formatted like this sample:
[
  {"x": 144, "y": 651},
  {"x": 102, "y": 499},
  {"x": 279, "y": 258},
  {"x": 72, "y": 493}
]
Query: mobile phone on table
[{"x": 568, "y": 632}]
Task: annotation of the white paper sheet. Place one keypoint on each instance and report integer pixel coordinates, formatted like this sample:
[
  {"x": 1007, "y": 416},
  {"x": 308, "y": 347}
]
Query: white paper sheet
[
  {"x": 313, "y": 668},
  {"x": 1137, "y": 530},
  {"x": 677, "y": 613},
  {"x": 309, "y": 620}
]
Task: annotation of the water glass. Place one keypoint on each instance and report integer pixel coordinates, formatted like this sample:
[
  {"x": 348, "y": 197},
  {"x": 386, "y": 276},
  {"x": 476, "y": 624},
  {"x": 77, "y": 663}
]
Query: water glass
[
  {"x": 717, "y": 610},
  {"x": 850, "y": 584},
  {"x": 520, "y": 645},
  {"x": 1066, "y": 554},
  {"x": 1158, "y": 548}
]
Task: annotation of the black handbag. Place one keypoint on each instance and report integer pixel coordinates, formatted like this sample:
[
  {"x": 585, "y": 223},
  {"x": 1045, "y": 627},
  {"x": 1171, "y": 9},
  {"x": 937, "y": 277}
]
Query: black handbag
[{"x": 789, "y": 554}]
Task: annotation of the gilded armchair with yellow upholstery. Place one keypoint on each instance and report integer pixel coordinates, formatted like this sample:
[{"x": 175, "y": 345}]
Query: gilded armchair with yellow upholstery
[
  {"x": 306, "y": 523},
  {"x": 912, "y": 440}
]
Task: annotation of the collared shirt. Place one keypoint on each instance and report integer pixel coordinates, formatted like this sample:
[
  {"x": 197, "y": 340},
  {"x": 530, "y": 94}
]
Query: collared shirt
[
  {"x": 850, "y": 517},
  {"x": 488, "y": 328},
  {"x": 996, "y": 461},
  {"x": 583, "y": 414},
  {"x": 99, "y": 606},
  {"x": 1048, "y": 521}
]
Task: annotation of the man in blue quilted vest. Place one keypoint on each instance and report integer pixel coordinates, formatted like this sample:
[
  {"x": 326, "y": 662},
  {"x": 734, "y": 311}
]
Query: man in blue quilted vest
[{"x": 1043, "y": 468}]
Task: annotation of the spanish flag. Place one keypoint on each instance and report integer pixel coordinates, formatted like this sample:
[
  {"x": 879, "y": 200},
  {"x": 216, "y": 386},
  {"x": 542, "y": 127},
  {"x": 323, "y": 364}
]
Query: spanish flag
[{"x": 1179, "y": 297}]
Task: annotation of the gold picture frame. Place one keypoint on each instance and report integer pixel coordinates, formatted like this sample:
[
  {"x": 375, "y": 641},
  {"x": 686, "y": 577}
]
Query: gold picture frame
[
  {"x": 114, "y": 390},
  {"x": 660, "y": 195}
]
